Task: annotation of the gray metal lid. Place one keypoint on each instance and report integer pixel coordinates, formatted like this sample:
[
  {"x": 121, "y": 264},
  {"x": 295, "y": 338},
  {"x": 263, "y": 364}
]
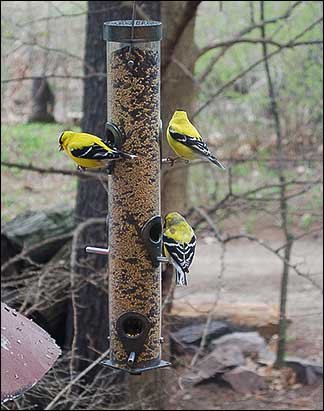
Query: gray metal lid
[{"x": 121, "y": 31}]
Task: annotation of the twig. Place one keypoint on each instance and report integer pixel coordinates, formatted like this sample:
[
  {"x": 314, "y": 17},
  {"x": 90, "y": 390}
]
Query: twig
[
  {"x": 229, "y": 83},
  {"x": 235, "y": 41},
  {"x": 54, "y": 75},
  {"x": 52, "y": 170},
  {"x": 296, "y": 238},
  {"x": 81, "y": 227},
  {"x": 77, "y": 378},
  {"x": 49, "y": 49},
  {"x": 205, "y": 217},
  {"x": 23, "y": 255},
  {"x": 245, "y": 31},
  {"x": 219, "y": 285}
]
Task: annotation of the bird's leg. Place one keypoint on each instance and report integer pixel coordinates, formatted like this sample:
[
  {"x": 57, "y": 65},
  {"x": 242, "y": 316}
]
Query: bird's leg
[
  {"x": 172, "y": 161},
  {"x": 110, "y": 168}
]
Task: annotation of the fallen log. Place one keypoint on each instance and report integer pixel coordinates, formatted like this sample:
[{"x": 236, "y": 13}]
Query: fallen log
[
  {"x": 263, "y": 318},
  {"x": 34, "y": 237}
]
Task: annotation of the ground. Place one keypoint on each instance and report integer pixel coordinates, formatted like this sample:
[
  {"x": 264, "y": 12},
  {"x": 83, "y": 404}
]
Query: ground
[
  {"x": 252, "y": 276},
  {"x": 213, "y": 397}
]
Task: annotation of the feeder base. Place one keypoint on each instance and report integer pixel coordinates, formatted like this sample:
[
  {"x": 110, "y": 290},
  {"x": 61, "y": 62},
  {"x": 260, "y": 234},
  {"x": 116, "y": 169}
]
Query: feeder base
[{"x": 135, "y": 371}]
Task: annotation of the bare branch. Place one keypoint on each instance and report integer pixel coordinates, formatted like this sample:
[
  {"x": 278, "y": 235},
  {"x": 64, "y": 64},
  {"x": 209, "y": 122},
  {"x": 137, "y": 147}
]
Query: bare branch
[
  {"x": 219, "y": 284},
  {"x": 289, "y": 44},
  {"x": 50, "y": 49},
  {"x": 271, "y": 42},
  {"x": 76, "y": 235},
  {"x": 60, "y": 16},
  {"x": 24, "y": 254},
  {"x": 52, "y": 170},
  {"x": 53, "y": 75},
  {"x": 77, "y": 378},
  {"x": 265, "y": 245},
  {"x": 299, "y": 237},
  {"x": 245, "y": 31}
]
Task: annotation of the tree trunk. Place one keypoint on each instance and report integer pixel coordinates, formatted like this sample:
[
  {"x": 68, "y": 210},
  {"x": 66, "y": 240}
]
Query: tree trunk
[
  {"x": 90, "y": 312},
  {"x": 43, "y": 102},
  {"x": 178, "y": 91}
]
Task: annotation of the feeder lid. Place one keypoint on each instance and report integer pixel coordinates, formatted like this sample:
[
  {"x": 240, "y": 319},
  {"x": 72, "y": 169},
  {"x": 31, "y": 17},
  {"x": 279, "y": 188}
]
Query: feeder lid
[{"x": 121, "y": 31}]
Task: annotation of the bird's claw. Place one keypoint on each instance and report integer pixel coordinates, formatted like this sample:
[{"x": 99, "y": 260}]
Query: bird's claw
[
  {"x": 174, "y": 160},
  {"x": 170, "y": 160},
  {"x": 79, "y": 168}
]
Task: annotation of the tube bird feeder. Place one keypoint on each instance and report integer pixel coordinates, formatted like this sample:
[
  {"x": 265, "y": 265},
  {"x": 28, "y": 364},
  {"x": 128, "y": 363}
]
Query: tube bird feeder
[{"x": 135, "y": 227}]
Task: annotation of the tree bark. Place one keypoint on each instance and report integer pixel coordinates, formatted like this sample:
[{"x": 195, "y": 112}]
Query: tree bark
[
  {"x": 43, "y": 102},
  {"x": 90, "y": 312},
  {"x": 283, "y": 201},
  {"x": 178, "y": 91}
]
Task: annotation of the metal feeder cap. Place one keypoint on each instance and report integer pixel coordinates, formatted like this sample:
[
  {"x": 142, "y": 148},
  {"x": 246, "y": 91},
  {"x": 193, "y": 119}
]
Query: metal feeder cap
[{"x": 121, "y": 31}]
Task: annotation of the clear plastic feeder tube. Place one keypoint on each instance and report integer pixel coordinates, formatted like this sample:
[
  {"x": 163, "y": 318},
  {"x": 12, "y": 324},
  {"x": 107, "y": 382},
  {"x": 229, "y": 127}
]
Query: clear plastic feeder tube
[{"x": 133, "y": 92}]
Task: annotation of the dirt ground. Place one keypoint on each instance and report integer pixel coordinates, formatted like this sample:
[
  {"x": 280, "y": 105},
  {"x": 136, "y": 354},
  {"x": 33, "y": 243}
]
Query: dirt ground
[{"x": 252, "y": 275}]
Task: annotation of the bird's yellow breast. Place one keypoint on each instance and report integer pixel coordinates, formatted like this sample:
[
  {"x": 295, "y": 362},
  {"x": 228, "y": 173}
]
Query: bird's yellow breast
[
  {"x": 85, "y": 162},
  {"x": 74, "y": 141},
  {"x": 180, "y": 149},
  {"x": 183, "y": 126},
  {"x": 180, "y": 124}
]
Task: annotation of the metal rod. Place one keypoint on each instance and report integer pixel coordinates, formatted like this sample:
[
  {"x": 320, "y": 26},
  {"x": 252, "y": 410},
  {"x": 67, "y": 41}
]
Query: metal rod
[
  {"x": 133, "y": 25},
  {"x": 162, "y": 259},
  {"x": 96, "y": 250},
  {"x": 131, "y": 358}
]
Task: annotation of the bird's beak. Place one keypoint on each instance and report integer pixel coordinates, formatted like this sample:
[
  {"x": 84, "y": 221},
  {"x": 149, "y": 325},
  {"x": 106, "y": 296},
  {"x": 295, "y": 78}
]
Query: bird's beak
[{"x": 61, "y": 147}]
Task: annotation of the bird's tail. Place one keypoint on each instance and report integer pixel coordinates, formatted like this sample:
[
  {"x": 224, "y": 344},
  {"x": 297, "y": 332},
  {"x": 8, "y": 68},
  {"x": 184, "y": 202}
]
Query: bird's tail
[
  {"x": 214, "y": 160},
  {"x": 181, "y": 278}
]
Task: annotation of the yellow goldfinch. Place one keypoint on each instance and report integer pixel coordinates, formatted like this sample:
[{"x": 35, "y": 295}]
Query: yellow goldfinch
[
  {"x": 89, "y": 151},
  {"x": 185, "y": 140},
  {"x": 179, "y": 244}
]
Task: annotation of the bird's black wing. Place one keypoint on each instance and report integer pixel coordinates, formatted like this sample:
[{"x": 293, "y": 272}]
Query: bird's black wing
[
  {"x": 194, "y": 143},
  {"x": 190, "y": 249},
  {"x": 197, "y": 145},
  {"x": 182, "y": 254},
  {"x": 95, "y": 152}
]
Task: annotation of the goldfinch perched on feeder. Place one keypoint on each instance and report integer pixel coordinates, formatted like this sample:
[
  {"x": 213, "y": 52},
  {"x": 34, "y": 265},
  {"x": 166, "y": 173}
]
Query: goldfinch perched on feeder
[
  {"x": 89, "y": 151},
  {"x": 179, "y": 244},
  {"x": 185, "y": 140}
]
